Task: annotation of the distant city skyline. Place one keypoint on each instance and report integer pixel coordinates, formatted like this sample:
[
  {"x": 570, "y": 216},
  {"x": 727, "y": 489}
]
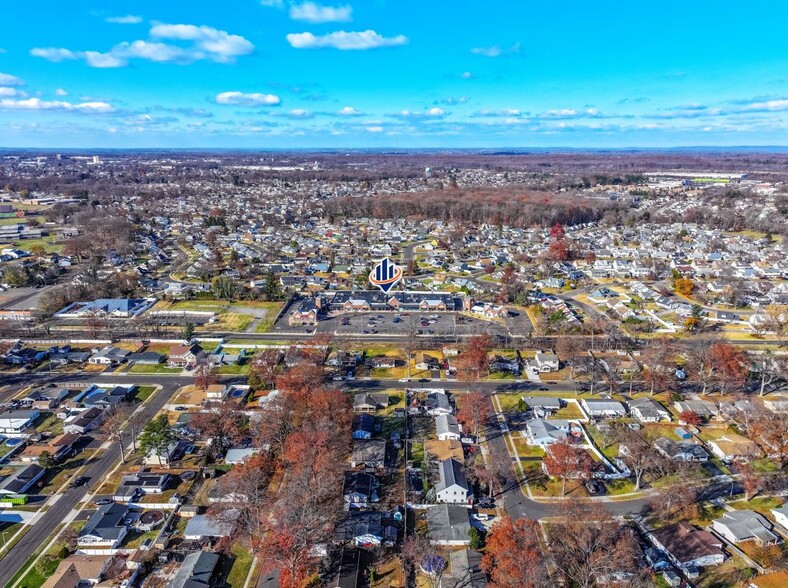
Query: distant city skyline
[{"x": 393, "y": 74}]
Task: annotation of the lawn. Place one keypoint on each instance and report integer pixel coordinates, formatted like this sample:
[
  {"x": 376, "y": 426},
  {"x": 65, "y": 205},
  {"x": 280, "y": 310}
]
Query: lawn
[
  {"x": 610, "y": 451},
  {"x": 761, "y": 504},
  {"x": 417, "y": 454},
  {"x": 509, "y": 402},
  {"x": 38, "y": 574},
  {"x": 51, "y": 425},
  {"x": 618, "y": 487},
  {"x": 241, "y": 566},
  {"x": 142, "y": 393},
  {"x": 233, "y": 370},
  {"x": 228, "y": 321},
  {"x": 525, "y": 450},
  {"x": 147, "y": 368}
]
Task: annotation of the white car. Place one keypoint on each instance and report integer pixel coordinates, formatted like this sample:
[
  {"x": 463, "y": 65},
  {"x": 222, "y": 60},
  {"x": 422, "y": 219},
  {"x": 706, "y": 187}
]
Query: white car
[
  {"x": 483, "y": 516},
  {"x": 404, "y": 380},
  {"x": 338, "y": 378}
]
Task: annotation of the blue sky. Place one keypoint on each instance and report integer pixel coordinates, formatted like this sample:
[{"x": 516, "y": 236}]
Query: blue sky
[{"x": 393, "y": 73}]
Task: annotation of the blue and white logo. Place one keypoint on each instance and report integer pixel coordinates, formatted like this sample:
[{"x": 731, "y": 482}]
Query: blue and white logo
[{"x": 385, "y": 274}]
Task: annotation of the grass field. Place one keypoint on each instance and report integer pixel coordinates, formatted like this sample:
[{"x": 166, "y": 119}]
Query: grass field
[
  {"x": 143, "y": 393},
  {"x": 160, "y": 368},
  {"x": 241, "y": 566}
]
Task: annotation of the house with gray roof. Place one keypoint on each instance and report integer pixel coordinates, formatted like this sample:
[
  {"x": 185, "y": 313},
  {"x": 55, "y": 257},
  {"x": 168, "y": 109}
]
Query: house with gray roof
[
  {"x": 200, "y": 526},
  {"x": 648, "y": 410},
  {"x": 542, "y": 405},
  {"x": 606, "y": 409},
  {"x": 745, "y": 525},
  {"x": 369, "y": 453},
  {"x": 453, "y": 486},
  {"x": 543, "y": 432},
  {"x": 448, "y": 524},
  {"x": 196, "y": 570},
  {"x": 682, "y": 450},
  {"x": 447, "y": 427},
  {"x": 21, "y": 480},
  {"x": 688, "y": 546},
  {"x": 106, "y": 528}
]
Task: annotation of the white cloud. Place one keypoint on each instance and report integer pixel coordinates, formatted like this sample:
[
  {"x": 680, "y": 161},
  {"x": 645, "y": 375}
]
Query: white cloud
[
  {"x": 128, "y": 19},
  {"x": 466, "y": 75},
  {"x": 9, "y": 80},
  {"x": 374, "y": 129},
  {"x": 312, "y": 12},
  {"x": 9, "y": 92},
  {"x": 344, "y": 40},
  {"x": 253, "y": 99},
  {"x": 272, "y": 3},
  {"x": 58, "y": 105},
  {"x": 559, "y": 113},
  {"x": 54, "y": 53},
  {"x": 61, "y": 92},
  {"x": 500, "y": 112},
  {"x": 205, "y": 43},
  {"x": 103, "y": 60},
  {"x": 220, "y": 44},
  {"x": 430, "y": 113},
  {"x": 766, "y": 106},
  {"x": 452, "y": 101},
  {"x": 300, "y": 113},
  {"x": 496, "y": 50},
  {"x": 349, "y": 111}
]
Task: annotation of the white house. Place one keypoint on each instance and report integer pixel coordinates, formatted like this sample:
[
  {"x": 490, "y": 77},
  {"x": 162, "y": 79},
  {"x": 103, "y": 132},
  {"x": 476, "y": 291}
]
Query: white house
[
  {"x": 607, "y": 409},
  {"x": 453, "y": 487},
  {"x": 547, "y": 362},
  {"x": 745, "y": 525},
  {"x": 447, "y": 427},
  {"x": 14, "y": 423}
]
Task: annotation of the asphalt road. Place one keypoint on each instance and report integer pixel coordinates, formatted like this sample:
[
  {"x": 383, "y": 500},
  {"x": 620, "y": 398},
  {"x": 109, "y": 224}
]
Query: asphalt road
[{"x": 58, "y": 511}]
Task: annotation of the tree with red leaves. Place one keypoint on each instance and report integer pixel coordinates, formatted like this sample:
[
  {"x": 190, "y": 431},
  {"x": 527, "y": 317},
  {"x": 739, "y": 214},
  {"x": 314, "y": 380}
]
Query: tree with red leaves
[
  {"x": 565, "y": 461},
  {"x": 225, "y": 424},
  {"x": 690, "y": 417},
  {"x": 474, "y": 411},
  {"x": 558, "y": 250},
  {"x": 474, "y": 361},
  {"x": 730, "y": 366},
  {"x": 514, "y": 558},
  {"x": 557, "y": 232}
]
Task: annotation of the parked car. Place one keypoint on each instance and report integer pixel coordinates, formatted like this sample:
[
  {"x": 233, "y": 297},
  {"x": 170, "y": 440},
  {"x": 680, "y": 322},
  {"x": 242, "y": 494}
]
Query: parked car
[
  {"x": 480, "y": 516},
  {"x": 596, "y": 488}
]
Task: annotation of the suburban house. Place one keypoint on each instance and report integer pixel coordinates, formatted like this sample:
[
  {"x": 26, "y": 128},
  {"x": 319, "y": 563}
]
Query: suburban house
[
  {"x": 606, "y": 409},
  {"x": 465, "y": 570},
  {"x": 14, "y": 423},
  {"x": 106, "y": 528},
  {"x": 200, "y": 526},
  {"x": 448, "y": 524},
  {"x": 237, "y": 455},
  {"x": 542, "y": 405},
  {"x": 109, "y": 355},
  {"x": 196, "y": 570},
  {"x": 21, "y": 480},
  {"x": 360, "y": 490},
  {"x": 453, "y": 487},
  {"x": 58, "y": 448},
  {"x": 781, "y": 515},
  {"x": 364, "y": 530},
  {"x": 166, "y": 457},
  {"x": 135, "y": 485},
  {"x": 364, "y": 426},
  {"x": 681, "y": 450},
  {"x": 185, "y": 356},
  {"x": 746, "y": 525},
  {"x": 688, "y": 546},
  {"x": 426, "y": 362},
  {"x": 216, "y": 392},
  {"x": 547, "y": 362},
  {"x": 368, "y": 453},
  {"x": 363, "y": 402},
  {"x": 702, "y": 408},
  {"x": 648, "y": 410},
  {"x": 84, "y": 421},
  {"x": 437, "y": 403},
  {"x": 543, "y": 432},
  {"x": 499, "y": 363},
  {"x": 447, "y": 427},
  {"x": 146, "y": 357},
  {"x": 77, "y": 571},
  {"x": 105, "y": 397},
  {"x": 734, "y": 447}
]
